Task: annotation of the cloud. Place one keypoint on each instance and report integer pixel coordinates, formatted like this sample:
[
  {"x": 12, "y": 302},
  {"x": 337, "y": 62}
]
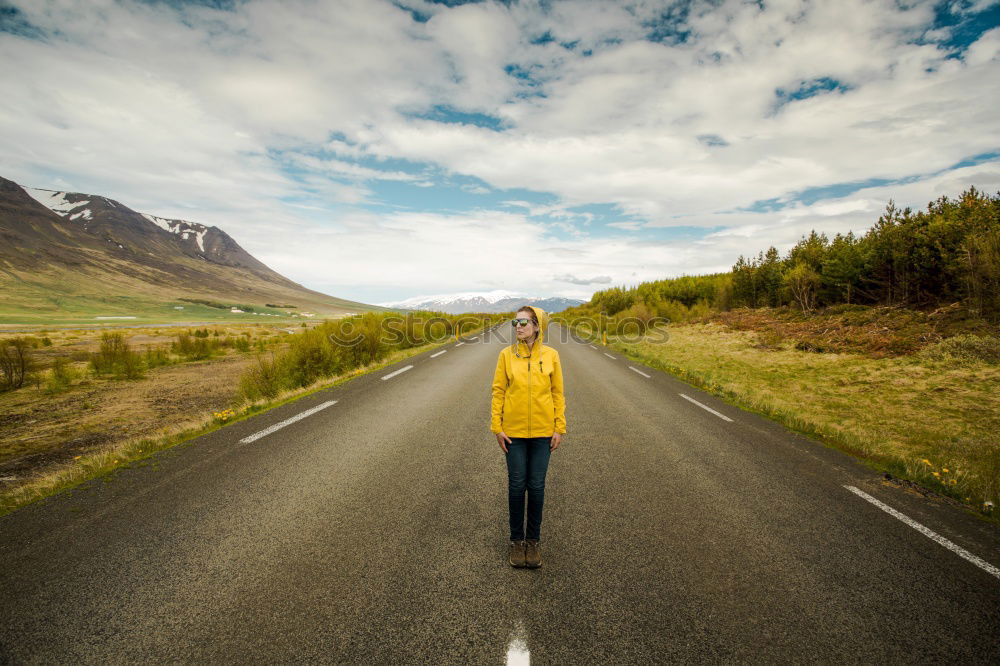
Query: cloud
[
  {"x": 311, "y": 131},
  {"x": 599, "y": 279}
]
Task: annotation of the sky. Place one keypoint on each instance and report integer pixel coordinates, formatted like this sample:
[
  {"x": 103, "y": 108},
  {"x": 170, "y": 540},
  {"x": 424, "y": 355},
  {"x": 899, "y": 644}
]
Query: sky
[{"x": 379, "y": 150}]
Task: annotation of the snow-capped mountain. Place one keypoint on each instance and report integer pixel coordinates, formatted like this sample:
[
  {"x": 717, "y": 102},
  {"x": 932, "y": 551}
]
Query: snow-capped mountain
[
  {"x": 498, "y": 300},
  {"x": 119, "y": 224},
  {"x": 97, "y": 250}
]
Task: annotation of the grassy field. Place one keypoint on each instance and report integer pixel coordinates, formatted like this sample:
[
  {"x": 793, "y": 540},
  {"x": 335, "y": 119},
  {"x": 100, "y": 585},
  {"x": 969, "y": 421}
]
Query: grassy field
[
  {"x": 140, "y": 312},
  {"x": 41, "y": 426},
  {"x": 66, "y": 298},
  {"x": 931, "y": 419},
  {"x": 51, "y": 441}
]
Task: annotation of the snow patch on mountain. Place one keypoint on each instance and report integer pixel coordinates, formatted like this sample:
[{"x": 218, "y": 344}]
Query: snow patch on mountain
[
  {"x": 57, "y": 202},
  {"x": 183, "y": 228}
]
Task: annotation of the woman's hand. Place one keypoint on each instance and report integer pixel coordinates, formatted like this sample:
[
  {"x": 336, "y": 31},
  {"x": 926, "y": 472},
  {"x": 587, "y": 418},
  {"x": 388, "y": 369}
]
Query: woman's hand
[
  {"x": 556, "y": 439},
  {"x": 501, "y": 438}
]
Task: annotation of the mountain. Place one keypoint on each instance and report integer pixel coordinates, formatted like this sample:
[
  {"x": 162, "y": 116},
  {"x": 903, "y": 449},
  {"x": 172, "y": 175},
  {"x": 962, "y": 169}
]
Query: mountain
[
  {"x": 498, "y": 300},
  {"x": 68, "y": 254}
]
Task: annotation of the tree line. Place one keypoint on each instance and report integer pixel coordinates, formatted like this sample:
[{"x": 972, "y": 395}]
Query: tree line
[{"x": 948, "y": 253}]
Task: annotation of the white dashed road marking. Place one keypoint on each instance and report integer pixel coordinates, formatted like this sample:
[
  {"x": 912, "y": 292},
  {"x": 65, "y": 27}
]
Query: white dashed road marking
[
  {"x": 608, "y": 355},
  {"x": 459, "y": 344},
  {"x": 393, "y": 374},
  {"x": 639, "y": 371},
  {"x": 517, "y": 650},
  {"x": 958, "y": 550},
  {"x": 721, "y": 416},
  {"x": 278, "y": 426},
  {"x": 593, "y": 347},
  {"x": 439, "y": 353}
]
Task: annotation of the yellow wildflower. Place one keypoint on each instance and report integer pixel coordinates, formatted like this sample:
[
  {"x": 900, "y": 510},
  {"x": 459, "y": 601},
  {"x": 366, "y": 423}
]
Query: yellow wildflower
[
  {"x": 944, "y": 469},
  {"x": 936, "y": 473}
]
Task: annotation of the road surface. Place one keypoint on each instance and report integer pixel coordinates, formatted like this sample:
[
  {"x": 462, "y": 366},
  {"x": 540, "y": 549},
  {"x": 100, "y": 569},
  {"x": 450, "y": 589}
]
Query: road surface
[{"x": 373, "y": 530}]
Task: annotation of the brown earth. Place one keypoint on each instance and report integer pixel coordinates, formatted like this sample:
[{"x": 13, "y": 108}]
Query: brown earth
[
  {"x": 38, "y": 430},
  {"x": 876, "y": 332}
]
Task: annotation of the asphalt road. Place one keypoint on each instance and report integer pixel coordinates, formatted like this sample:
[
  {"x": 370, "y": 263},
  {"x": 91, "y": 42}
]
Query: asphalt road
[{"x": 374, "y": 531}]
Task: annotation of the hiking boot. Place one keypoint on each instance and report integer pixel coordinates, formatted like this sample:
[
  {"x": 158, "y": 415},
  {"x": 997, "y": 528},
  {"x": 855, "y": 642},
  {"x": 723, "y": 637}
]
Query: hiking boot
[
  {"x": 532, "y": 555},
  {"x": 516, "y": 553}
]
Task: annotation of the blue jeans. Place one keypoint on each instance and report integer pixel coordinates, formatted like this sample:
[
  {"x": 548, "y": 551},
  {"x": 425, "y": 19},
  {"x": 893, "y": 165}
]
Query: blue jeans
[{"x": 527, "y": 462}]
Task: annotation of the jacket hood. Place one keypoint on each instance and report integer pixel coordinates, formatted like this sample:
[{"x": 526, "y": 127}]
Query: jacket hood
[{"x": 543, "y": 320}]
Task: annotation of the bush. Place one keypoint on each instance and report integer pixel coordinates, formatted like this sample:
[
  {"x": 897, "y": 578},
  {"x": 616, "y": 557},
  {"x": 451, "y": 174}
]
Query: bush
[
  {"x": 965, "y": 348},
  {"x": 196, "y": 347},
  {"x": 156, "y": 357},
  {"x": 16, "y": 362},
  {"x": 311, "y": 356},
  {"x": 116, "y": 358},
  {"x": 61, "y": 377},
  {"x": 335, "y": 347},
  {"x": 261, "y": 380},
  {"x": 239, "y": 343}
]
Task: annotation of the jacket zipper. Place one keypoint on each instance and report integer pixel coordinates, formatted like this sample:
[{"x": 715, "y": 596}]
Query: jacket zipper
[{"x": 529, "y": 394}]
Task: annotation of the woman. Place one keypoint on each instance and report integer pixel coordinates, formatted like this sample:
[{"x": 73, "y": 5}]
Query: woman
[{"x": 529, "y": 420}]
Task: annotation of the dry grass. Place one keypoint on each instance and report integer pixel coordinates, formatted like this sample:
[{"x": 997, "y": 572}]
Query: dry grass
[
  {"x": 56, "y": 442},
  {"x": 934, "y": 422},
  {"x": 876, "y": 332},
  {"x": 40, "y": 430}
]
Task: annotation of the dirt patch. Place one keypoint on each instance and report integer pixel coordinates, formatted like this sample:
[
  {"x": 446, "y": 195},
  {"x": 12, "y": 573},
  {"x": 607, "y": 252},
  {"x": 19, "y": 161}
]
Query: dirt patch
[
  {"x": 877, "y": 332},
  {"x": 40, "y": 430}
]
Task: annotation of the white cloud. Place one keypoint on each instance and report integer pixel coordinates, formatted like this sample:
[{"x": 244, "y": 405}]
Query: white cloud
[{"x": 219, "y": 116}]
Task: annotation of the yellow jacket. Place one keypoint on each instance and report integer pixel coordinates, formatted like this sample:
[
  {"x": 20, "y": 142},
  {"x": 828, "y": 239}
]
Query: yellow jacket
[{"x": 528, "y": 399}]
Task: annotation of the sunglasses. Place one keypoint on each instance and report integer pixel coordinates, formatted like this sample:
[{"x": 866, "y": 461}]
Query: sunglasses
[{"x": 516, "y": 323}]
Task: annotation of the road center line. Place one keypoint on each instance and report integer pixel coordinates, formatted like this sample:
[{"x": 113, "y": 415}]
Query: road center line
[
  {"x": 608, "y": 355},
  {"x": 278, "y": 426},
  {"x": 459, "y": 344},
  {"x": 955, "y": 548},
  {"x": 439, "y": 353},
  {"x": 639, "y": 371},
  {"x": 593, "y": 347},
  {"x": 393, "y": 374},
  {"x": 517, "y": 650},
  {"x": 721, "y": 416}
]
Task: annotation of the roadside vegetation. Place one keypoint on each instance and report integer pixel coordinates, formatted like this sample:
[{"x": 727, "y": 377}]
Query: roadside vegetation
[
  {"x": 886, "y": 346},
  {"x": 92, "y": 401}
]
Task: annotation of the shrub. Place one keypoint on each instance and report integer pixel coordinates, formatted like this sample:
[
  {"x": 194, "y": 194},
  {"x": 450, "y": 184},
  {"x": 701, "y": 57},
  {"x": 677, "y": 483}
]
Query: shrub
[
  {"x": 238, "y": 343},
  {"x": 116, "y": 358},
  {"x": 156, "y": 357},
  {"x": 16, "y": 362},
  {"x": 196, "y": 347},
  {"x": 61, "y": 377},
  {"x": 965, "y": 348},
  {"x": 261, "y": 380}
]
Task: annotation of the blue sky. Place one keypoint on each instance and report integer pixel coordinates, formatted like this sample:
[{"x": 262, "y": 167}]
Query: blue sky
[{"x": 379, "y": 150}]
